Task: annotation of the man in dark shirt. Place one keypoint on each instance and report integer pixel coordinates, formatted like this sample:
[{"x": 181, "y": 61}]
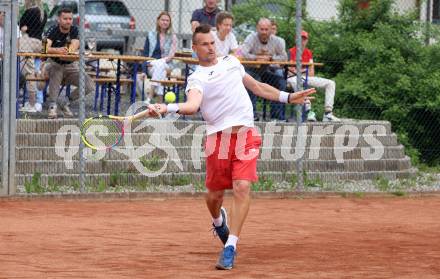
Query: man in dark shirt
[
  {"x": 205, "y": 15},
  {"x": 63, "y": 39}
]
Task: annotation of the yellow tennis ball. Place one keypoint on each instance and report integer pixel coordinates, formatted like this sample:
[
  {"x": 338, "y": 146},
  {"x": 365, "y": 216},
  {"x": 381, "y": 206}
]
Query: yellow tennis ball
[{"x": 170, "y": 97}]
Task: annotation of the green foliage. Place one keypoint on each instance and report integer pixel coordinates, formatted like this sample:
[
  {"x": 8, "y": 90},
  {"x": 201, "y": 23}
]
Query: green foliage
[
  {"x": 293, "y": 181},
  {"x": 52, "y": 186},
  {"x": 312, "y": 182},
  {"x": 399, "y": 193},
  {"x": 382, "y": 184},
  {"x": 101, "y": 186},
  {"x": 283, "y": 11},
  {"x": 381, "y": 64},
  {"x": 34, "y": 186},
  {"x": 265, "y": 183},
  {"x": 180, "y": 180},
  {"x": 118, "y": 179},
  {"x": 199, "y": 186},
  {"x": 151, "y": 163}
]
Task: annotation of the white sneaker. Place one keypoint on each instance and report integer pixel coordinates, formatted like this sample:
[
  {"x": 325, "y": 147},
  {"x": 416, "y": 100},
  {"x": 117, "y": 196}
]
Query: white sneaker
[
  {"x": 52, "y": 112},
  {"x": 38, "y": 107},
  {"x": 329, "y": 117},
  {"x": 28, "y": 108},
  {"x": 311, "y": 116}
]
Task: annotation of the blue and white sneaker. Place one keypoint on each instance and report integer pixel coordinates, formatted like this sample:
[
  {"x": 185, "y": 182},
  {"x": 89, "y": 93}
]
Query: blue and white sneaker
[
  {"x": 226, "y": 259},
  {"x": 223, "y": 230}
]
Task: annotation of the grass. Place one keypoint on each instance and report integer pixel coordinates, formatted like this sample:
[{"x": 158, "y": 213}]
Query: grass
[
  {"x": 180, "y": 180},
  {"x": 151, "y": 163},
  {"x": 382, "y": 183},
  {"x": 265, "y": 183},
  {"x": 52, "y": 186},
  {"x": 399, "y": 193},
  {"x": 312, "y": 182},
  {"x": 34, "y": 186},
  {"x": 199, "y": 186}
]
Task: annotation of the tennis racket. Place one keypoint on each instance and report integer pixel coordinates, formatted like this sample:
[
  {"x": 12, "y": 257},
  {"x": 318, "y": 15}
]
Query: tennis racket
[{"x": 104, "y": 132}]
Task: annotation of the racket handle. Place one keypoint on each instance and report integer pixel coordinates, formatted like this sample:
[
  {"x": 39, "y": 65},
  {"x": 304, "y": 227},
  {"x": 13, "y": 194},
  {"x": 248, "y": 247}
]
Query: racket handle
[
  {"x": 139, "y": 115},
  {"x": 142, "y": 114}
]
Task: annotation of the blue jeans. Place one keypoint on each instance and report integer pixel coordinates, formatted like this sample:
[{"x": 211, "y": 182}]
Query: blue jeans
[{"x": 274, "y": 77}]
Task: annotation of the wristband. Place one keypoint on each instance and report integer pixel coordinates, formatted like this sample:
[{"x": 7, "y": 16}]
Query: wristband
[
  {"x": 172, "y": 108},
  {"x": 284, "y": 97}
]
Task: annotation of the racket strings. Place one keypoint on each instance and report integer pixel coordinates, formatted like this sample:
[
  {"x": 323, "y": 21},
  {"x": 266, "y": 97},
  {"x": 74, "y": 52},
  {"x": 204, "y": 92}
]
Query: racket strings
[{"x": 100, "y": 133}]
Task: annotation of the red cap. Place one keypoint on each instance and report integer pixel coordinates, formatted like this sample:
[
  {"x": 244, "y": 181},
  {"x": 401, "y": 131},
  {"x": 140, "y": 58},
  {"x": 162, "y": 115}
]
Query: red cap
[{"x": 304, "y": 34}]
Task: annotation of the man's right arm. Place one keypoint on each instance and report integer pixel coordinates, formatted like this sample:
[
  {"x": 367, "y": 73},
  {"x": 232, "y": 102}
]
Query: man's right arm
[
  {"x": 50, "y": 38},
  {"x": 246, "y": 48},
  {"x": 191, "y": 106}
]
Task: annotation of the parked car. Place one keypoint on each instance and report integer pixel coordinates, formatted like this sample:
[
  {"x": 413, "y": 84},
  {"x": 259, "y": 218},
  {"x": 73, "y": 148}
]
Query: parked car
[{"x": 100, "y": 16}]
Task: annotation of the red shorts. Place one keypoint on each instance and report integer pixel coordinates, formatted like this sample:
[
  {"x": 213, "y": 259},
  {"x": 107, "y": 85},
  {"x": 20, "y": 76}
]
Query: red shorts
[{"x": 231, "y": 156}]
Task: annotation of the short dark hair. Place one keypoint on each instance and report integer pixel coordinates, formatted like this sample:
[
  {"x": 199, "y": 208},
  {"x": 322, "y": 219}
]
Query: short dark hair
[
  {"x": 203, "y": 29},
  {"x": 222, "y": 16},
  {"x": 64, "y": 10}
]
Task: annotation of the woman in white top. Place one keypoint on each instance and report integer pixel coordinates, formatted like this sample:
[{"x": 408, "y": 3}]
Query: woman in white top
[
  {"x": 225, "y": 41},
  {"x": 218, "y": 89},
  {"x": 161, "y": 44}
]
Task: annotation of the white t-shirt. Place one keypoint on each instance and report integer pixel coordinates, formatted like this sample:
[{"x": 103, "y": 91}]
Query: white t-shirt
[
  {"x": 225, "y": 47},
  {"x": 225, "y": 101}
]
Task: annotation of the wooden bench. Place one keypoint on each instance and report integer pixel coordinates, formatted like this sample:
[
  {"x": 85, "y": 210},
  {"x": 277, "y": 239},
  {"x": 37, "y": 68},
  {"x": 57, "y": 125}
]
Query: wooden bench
[
  {"x": 171, "y": 85},
  {"x": 43, "y": 88}
]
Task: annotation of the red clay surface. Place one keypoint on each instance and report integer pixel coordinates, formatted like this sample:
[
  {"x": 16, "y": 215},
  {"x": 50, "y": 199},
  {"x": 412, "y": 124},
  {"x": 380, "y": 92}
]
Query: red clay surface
[{"x": 283, "y": 238}]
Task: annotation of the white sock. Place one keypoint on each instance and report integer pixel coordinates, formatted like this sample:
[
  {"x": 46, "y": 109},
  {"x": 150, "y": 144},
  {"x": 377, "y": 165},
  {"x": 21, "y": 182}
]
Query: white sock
[
  {"x": 218, "y": 221},
  {"x": 232, "y": 240}
]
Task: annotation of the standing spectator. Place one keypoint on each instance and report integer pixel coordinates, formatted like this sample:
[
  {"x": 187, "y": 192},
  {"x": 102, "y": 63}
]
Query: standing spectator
[
  {"x": 161, "y": 44},
  {"x": 205, "y": 15},
  {"x": 225, "y": 41},
  {"x": 314, "y": 81},
  {"x": 63, "y": 39},
  {"x": 31, "y": 25},
  {"x": 263, "y": 46}
]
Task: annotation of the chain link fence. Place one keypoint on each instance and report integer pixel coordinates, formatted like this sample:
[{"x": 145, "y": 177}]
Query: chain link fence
[
  {"x": 373, "y": 61},
  {"x": 380, "y": 54}
]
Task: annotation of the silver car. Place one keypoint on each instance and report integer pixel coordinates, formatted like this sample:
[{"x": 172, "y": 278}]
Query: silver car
[{"x": 101, "y": 16}]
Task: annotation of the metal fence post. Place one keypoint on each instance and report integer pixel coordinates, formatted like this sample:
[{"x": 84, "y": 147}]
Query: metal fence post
[
  {"x": 82, "y": 76},
  {"x": 299, "y": 162},
  {"x": 9, "y": 76}
]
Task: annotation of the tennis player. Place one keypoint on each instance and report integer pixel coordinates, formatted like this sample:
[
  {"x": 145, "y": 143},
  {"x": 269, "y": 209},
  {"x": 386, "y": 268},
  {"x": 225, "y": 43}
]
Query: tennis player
[{"x": 217, "y": 88}]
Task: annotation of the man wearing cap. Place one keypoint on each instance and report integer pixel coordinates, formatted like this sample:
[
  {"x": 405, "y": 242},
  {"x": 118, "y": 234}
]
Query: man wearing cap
[{"x": 314, "y": 81}]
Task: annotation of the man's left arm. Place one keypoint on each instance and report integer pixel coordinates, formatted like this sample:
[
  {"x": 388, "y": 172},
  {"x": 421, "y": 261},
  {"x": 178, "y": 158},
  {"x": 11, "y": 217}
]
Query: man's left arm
[
  {"x": 74, "y": 46},
  {"x": 74, "y": 36},
  {"x": 268, "y": 92},
  {"x": 280, "y": 51}
]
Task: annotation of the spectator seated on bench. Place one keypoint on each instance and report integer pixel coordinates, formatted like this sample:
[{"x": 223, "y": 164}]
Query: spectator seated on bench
[
  {"x": 161, "y": 44},
  {"x": 313, "y": 81}
]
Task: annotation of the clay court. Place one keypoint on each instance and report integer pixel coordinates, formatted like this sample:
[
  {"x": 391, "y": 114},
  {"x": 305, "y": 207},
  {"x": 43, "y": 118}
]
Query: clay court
[{"x": 171, "y": 238}]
